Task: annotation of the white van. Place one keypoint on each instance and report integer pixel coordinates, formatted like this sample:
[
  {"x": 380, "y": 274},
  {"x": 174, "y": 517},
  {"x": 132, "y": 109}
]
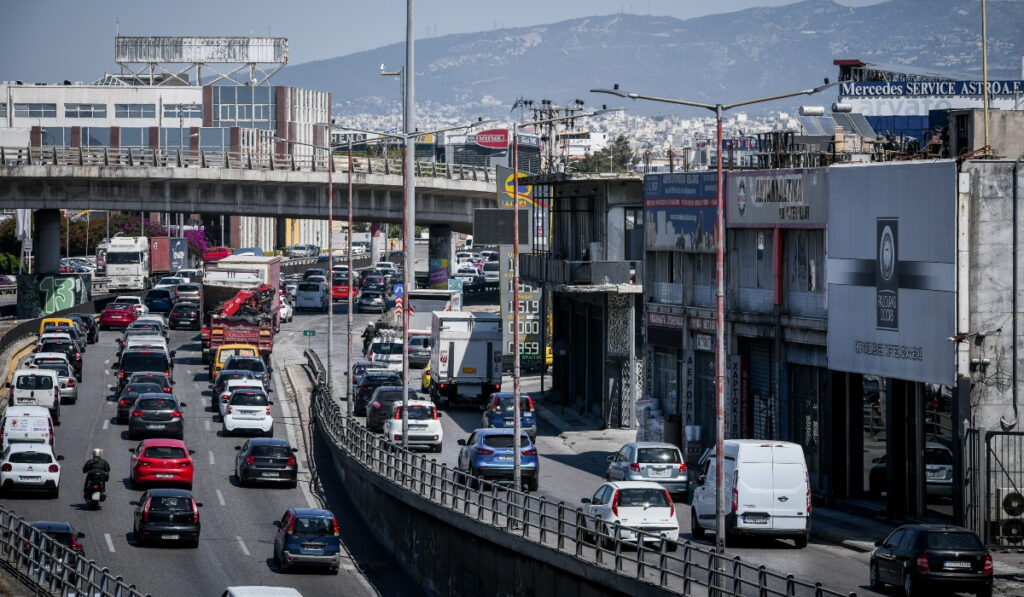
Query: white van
[
  {"x": 36, "y": 387},
  {"x": 260, "y": 591},
  {"x": 311, "y": 294},
  {"x": 766, "y": 487},
  {"x": 26, "y": 424}
]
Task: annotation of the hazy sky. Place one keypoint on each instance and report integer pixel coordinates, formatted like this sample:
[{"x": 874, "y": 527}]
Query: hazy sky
[{"x": 52, "y": 40}]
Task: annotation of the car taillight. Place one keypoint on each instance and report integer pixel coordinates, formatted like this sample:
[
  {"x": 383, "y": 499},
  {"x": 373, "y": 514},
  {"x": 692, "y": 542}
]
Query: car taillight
[
  {"x": 735, "y": 490},
  {"x": 54, "y": 468},
  {"x": 145, "y": 510},
  {"x": 364, "y": 388},
  {"x": 136, "y": 413},
  {"x": 635, "y": 467},
  {"x": 195, "y": 513},
  {"x": 250, "y": 460},
  {"x": 124, "y": 402},
  {"x": 6, "y": 467},
  {"x": 228, "y": 411},
  {"x": 398, "y": 437},
  {"x": 291, "y": 461},
  {"x": 120, "y": 373},
  {"x": 268, "y": 411},
  {"x": 78, "y": 355},
  {"x": 75, "y": 545},
  {"x": 334, "y": 522},
  {"x": 671, "y": 504},
  {"x": 176, "y": 413},
  {"x": 483, "y": 451},
  {"x": 922, "y": 563},
  {"x": 291, "y": 525},
  {"x": 682, "y": 467},
  {"x": 398, "y": 413},
  {"x": 988, "y": 565},
  {"x": 530, "y": 452},
  {"x": 71, "y": 382},
  {"x": 615, "y": 503},
  {"x": 433, "y": 411},
  {"x": 167, "y": 372},
  {"x": 530, "y": 402}
]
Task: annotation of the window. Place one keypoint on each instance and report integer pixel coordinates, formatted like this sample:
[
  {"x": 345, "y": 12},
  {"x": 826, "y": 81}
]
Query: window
[
  {"x": 134, "y": 137},
  {"x": 3, "y": 110},
  {"x": 135, "y": 110},
  {"x": 183, "y": 111},
  {"x": 30, "y": 458},
  {"x": 85, "y": 110},
  {"x": 755, "y": 258},
  {"x": 95, "y": 136},
  {"x": 164, "y": 452},
  {"x": 36, "y": 110},
  {"x": 658, "y": 456},
  {"x": 34, "y": 382}
]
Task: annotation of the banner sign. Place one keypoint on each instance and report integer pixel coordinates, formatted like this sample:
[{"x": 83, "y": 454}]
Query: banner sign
[
  {"x": 777, "y": 198},
  {"x": 680, "y": 211}
]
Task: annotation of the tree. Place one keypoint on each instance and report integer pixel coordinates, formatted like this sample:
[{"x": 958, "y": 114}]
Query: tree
[{"x": 616, "y": 157}]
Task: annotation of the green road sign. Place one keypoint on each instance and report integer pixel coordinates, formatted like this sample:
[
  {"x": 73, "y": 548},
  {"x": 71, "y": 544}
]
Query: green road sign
[{"x": 308, "y": 332}]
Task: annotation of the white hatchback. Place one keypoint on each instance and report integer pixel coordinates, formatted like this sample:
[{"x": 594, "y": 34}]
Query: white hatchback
[
  {"x": 618, "y": 510},
  {"x": 231, "y": 385},
  {"x": 136, "y": 303},
  {"x": 30, "y": 466},
  {"x": 424, "y": 425},
  {"x": 248, "y": 410}
]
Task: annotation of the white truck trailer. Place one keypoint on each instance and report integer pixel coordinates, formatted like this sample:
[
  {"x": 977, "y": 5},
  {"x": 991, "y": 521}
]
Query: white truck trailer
[
  {"x": 127, "y": 262},
  {"x": 465, "y": 356}
]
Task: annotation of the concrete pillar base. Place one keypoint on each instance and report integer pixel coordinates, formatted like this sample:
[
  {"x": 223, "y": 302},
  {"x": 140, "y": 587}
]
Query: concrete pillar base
[
  {"x": 440, "y": 256},
  {"x": 47, "y": 241}
]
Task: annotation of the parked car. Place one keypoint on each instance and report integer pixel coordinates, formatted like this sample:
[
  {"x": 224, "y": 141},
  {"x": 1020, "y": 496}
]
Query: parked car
[
  {"x": 370, "y": 381},
  {"x": 370, "y": 300},
  {"x": 630, "y": 507},
  {"x": 214, "y": 254},
  {"x": 307, "y": 537},
  {"x": 650, "y": 461},
  {"x": 419, "y": 350},
  {"x": 161, "y": 461},
  {"x": 30, "y": 466},
  {"x": 117, "y": 315},
  {"x": 378, "y": 408},
  {"x": 424, "y": 425},
  {"x": 499, "y": 413},
  {"x": 167, "y": 515},
  {"x": 266, "y": 460},
  {"x": 88, "y": 323},
  {"x": 130, "y": 394},
  {"x": 489, "y": 454},
  {"x": 927, "y": 558},
  {"x": 184, "y": 316},
  {"x": 156, "y": 414}
]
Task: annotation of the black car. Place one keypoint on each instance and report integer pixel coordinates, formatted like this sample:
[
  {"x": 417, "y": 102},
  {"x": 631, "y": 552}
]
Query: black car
[
  {"x": 419, "y": 350},
  {"x": 141, "y": 360},
  {"x": 222, "y": 379},
  {"x": 158, "y": 378},
  {"x": 313, "y": 271},
  {"x": 396, "y": 277},
  {"x": 159, "y": 300},
  {"x": 156, "y": 415},
  {"x": 130, "y": 394},
  {"x": 68, "y": 347},
  {"x": 167, "y": 515},
  {"x": 88, "y": 324},
  {"x": 928, "y": 557},
  {"x": 370, "y": 381},
  {"x": 184, "y": 316},
  {"x": 256, "y": 365},
  {"x": 378, "y": 283},
  {"x": 266, "y": 460},
  {"x": 378, "y": 408}
]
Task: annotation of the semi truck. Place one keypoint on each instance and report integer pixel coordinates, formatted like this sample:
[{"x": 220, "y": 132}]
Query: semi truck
[
  {"x": 133, "y": 261},
  {"x": 465, "y": 356}
]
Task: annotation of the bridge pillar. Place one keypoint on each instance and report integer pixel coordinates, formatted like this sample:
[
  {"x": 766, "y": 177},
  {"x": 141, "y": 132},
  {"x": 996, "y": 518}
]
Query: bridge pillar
[
  {"x": 440, "y": 256},
  {"x": 376, "y": 242},
  {"x": 47, "y": 241}
]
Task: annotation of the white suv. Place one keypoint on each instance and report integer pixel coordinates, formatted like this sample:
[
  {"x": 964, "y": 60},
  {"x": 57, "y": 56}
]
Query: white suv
[
  {"x": 635, "y": 506},
  {"x": 424, "y": 425},
  {"x": 30, "y": 466}
]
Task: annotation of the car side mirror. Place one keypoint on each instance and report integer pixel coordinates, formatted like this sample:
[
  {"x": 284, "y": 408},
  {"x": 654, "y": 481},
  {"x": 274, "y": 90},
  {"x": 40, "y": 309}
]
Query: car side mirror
[
  {"x": 133, "y": 503},
  {"x": 174, "y": 353},
  {"x": 199, "y": 504},
  {"x": 462, "y": 442},
  {"x": 191, "y": 451},
  {"x": 700, "y": 480},
  {"x": 439, "y": 415},
  {"x": 238, "y": 447},
  {"x": 270, "y": 401},
  {"x": 277, "y": 523},
  {"x": 80, "y": 535},
  {"x": 61, "y": 457},
  {"x": 7, "y": 384},
  {"x": 182, "y": 404},
  {"x": 296, "y": 450},
  {"x": 611, "y": 458},
  {"x": 585, "y": 501}
]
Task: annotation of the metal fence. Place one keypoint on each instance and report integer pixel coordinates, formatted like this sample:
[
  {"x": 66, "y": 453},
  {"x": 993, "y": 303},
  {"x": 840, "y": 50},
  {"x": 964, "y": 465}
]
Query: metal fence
[
  {"x": 682, "y": 567},
  {"x": 1003, "y": 508},
  {"x": 191, "y": 158},
  {"x": 43, "y": 561}
]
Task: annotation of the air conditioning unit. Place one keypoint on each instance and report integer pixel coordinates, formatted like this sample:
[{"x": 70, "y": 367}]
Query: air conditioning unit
[{"x": 1007, "y": 515}]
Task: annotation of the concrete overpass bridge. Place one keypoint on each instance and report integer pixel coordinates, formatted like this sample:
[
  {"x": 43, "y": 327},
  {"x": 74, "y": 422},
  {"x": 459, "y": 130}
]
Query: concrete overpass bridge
[{"x": 223, "y": 183}]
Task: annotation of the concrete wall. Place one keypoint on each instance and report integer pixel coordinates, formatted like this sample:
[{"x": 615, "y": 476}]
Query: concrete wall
[{"x": 451, "y": 554}]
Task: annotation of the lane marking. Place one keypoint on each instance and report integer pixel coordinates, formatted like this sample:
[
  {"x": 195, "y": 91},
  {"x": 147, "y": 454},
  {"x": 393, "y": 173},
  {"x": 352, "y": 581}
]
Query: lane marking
[
  {"x": 241, "y": 544},
  {"x": 110, "y": 543},
  {"x": 106, "y": 363},
  {"x": 211, "y": 458},
  {"x": 106, "y": 424},
  {"x": 220, "y": 496},
  {"x": 206, "y": 424},
  {"x": 289, "y": 426}
]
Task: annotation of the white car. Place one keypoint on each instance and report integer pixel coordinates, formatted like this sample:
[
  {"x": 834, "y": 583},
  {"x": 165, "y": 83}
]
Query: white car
[
  {"x": 30, "y": 466},
  {"x": 170, "y": 282},
  {"x": 287, "y": 313},
  {"x": 51, "y": 336},
  {"x": 250, "y": 383},
  {"x": 386, "y": 266},
  {"x": 424, "y": 425},
  {"x": 135, "y": 302},
  {"x": 635, "y": 506},
  {"x": 248, "y": 409}
]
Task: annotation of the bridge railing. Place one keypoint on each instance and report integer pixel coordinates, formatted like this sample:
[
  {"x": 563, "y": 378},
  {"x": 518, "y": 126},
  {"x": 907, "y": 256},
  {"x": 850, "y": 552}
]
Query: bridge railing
[
  {"x": 192, "y": 158},
  {"x": 681, "y": 567},
  {"x": 42, "y": 561}
]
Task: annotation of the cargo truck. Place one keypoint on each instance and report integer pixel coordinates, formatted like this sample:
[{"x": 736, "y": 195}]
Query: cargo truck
[
  {"x": 127, "y": 263},
  {"x": 237, "y": 308},
  {"x": 267, "y": 269},
  {"x": 423, "y": 303},
  {"x": 465, "y": 356}
]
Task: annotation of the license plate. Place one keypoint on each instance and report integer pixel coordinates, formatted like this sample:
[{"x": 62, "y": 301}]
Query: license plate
[
  {"x": 164, "y": 476},
  {"x": 169, "y": 536},
  {"x": 26, "y": 400},
  {"x": 95, "y": 496},
  {"x": 956, "y": 564},
  {"x": 271, "y": 474},
  {"x": 157, "y": 426},
  {"x": 28, "y": 478},
  {"x": 417, "y": 427},
  {"x": 469, "y": 370},
  {"x": 755, "y": 519},
  {"x": 313, "y": 546},
  {"x": 654, "y": 472},
  {"x": 932, "y": 474},
  {"x": 504, "y": 459}
]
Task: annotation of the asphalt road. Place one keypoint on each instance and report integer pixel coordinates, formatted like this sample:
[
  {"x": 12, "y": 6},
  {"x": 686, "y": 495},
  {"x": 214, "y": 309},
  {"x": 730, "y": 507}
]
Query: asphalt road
[{"x": 236, "y": 541}]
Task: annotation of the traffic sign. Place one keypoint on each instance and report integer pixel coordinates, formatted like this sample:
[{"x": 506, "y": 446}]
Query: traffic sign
[{"x": 308, "y": 332}]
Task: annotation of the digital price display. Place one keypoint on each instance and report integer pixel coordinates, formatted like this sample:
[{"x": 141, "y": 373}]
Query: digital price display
[{"x": 531, "y": 345}]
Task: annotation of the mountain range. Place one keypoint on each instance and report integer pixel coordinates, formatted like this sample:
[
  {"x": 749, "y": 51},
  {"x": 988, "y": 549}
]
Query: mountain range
[{"x": 719, "y": 58}]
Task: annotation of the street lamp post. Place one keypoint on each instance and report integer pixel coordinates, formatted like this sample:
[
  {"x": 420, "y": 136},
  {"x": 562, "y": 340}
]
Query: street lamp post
[{"x": 718, "y": 109}]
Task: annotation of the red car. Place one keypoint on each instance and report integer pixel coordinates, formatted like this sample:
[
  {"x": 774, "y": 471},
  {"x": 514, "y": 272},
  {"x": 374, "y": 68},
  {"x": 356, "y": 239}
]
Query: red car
[
  {"x": 162, "y": 461},
  {"x": 214, "y": 254},
  {"x": 118, "y": 315},
  {"x": 339, "y": 292}
]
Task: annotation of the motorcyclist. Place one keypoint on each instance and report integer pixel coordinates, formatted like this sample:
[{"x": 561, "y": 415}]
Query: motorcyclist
[
  {"x": 96, "y": 462},
  {"x": 368, "y": 335}
]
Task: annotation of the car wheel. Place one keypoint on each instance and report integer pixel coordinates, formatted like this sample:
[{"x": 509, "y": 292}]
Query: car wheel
[
  {"x": 241, "y": 480},
  {"x": 607, "y": 541},
  {"x": 270, "y": 432},
  {"x": 695, "y": 528},
  {"x": 293, "y": 484},
  {"x": 909, "y": 586},
  {"x": 533, "y": 483},
  {"x": 671, "y": 545},
  {"x": 985, "y": 591},
  {"x": 194, "y": 544},
  {"x": 873, "y": 580},
  {"x": 55, "y": 493},
  {"x": 224, "y": 431},
  {"x": 801, "y": 541}
]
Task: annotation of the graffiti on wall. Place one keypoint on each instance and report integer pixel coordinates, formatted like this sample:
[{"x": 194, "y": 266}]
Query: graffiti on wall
[{"x": 61, "y": 292}]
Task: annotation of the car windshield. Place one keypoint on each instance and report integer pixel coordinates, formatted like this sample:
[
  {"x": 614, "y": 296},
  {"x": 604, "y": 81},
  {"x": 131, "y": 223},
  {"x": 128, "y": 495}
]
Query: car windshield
[
  {"x": 149, "y": 378},
  {"x": 309, "y": 287},
  {"x": 165, "y": 452},
  {"x": 184, "y": 311},
  {"x": 419, "y": 342},
  {"x": 165, "y": 503},
  {"x": 34, "y": 382},
  {"x": 246, "y": 364},
  {"x": 370, "y": 294},
  {"x": 56, "y": 347},
  {"x": 642, "y": 497},
  {"x": 156, "y": 404},
  {"x": 227, "y": 376},
  {"x": 158, "y": 293},
  {"x": 30, "y": 458},
  {"x": 122, "y": 258},
  {"x": 952, "y": 540},
  {"x": 271, "y": 451},
  {"x": 394, "y": 395},
  {"x": 417, "y": 412},
  {"x": 248, "y": 399},
  {"x": 507, "y": 404},
  {"x": 389, "y": 347},
  {"x": 658, "y": 456},
  {"x": 938, "y": 456},
  {"x": 313, "y": 527},
  {"x": 144, "y": 362},
  {"x": 61, "y": 369},
  {"x": 117, "y": 307},
  {"x": 133, "y": 390},
  {"x": 505, "y": 440}
]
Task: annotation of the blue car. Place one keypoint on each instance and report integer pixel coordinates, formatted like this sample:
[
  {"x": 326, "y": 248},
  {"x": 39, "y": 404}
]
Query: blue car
[
  {"x": 159, "y": 300},
  {"x": 489, "y": 454},
  {"x": 307, "y": 537},
  {"x": 499, "y": 413}
]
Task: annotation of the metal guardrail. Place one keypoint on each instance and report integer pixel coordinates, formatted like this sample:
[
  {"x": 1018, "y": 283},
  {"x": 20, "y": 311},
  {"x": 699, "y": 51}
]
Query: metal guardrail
[
  {"x": 679, "y": 567},
  {"x": 191, "y": 158},
  {"x": 42, "y": 560}
]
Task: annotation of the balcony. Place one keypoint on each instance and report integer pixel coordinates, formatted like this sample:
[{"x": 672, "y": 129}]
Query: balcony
[{"x": 607, "y": 275}]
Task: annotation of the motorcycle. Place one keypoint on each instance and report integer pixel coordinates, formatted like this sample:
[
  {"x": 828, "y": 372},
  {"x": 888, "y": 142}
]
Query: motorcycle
[{"x": 95, "y": 488}]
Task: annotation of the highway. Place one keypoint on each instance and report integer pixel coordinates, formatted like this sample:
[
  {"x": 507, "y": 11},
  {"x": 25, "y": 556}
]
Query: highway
[{"x": 236, "y": 541}]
